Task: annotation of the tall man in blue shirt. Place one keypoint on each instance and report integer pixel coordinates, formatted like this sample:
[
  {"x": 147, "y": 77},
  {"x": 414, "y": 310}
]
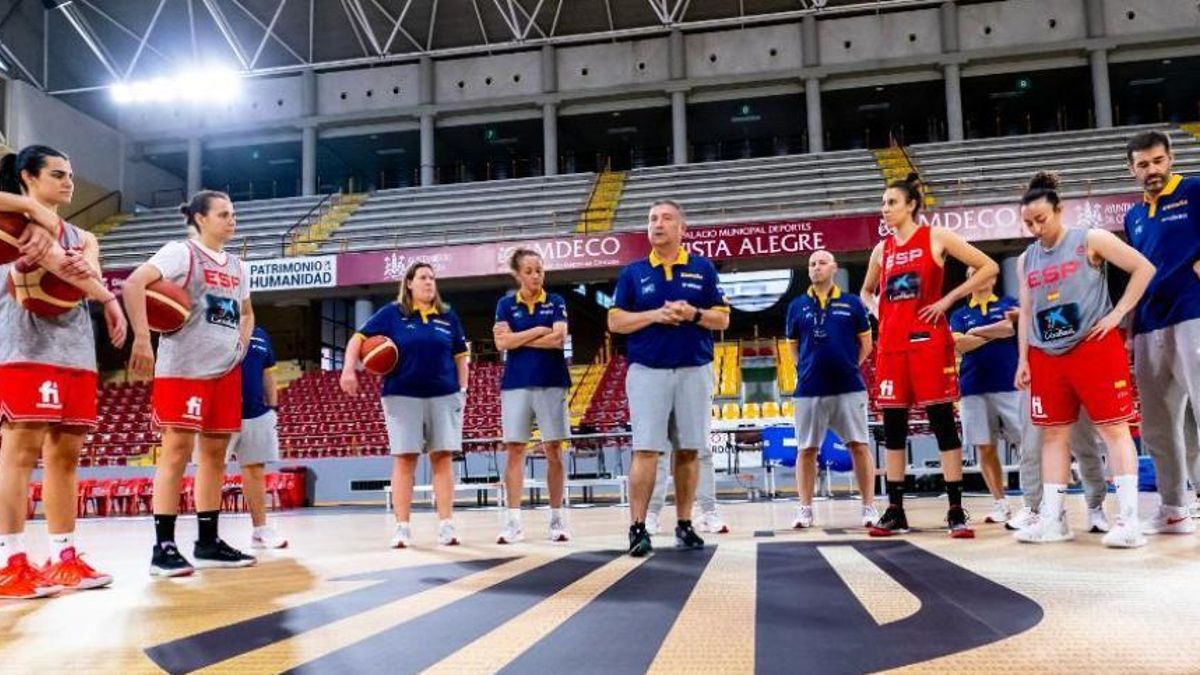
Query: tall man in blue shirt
[
  {"x": 668, "y": 304},
  {"x": 832, "y": 338},
  {"x": 1165, "y": 228}
]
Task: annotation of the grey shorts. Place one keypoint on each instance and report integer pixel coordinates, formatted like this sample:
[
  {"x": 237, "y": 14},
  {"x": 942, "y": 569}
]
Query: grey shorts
[
  {"x": 987, "y": 417},
  {"x": 666, "y": 403},
  {"x": 416, "y": 425},
  {"x": 257, "y": 442},
  {"x": 519, "y": 408},
  {"x": 844, "y": 414}
]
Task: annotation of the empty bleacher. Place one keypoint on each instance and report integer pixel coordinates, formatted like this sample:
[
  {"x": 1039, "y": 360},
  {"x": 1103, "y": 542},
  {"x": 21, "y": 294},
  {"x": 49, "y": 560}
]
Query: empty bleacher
[
  {"x": 767, "y": 188},
  {"x": 465, "y": 213},
  {"x": 261, "y": 225},
  {"x": 1090, "y": 162}
]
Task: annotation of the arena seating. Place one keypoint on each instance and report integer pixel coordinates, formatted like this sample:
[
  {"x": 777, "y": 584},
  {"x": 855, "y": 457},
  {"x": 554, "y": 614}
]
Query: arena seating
[
  {"x": 1090, "y": 162},
  {"x": 124, "y": 430},
  {"x": 767, "y": 188},
  {"x": 465, "y": 213},
  {"x": 260, "y": 228},
  {"x": 609, "y": 409}
]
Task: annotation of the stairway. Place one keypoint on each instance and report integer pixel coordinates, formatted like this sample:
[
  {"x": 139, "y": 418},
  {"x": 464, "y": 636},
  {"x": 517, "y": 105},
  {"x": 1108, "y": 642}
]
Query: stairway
[
  {"x": 602, "y": 203},
  {"x": 307, "y": 241},
  {"x": 895, "y": 164}
]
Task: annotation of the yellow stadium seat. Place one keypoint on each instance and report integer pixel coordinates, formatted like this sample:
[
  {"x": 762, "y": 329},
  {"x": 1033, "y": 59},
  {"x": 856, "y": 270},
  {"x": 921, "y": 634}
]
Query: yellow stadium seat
[
  {"x": 770, "y": 409},
  {"x": 730, "y": 411},
  {"x": 751, "y": 411},
  {"x": 788, "y": 409},
  {"x": 716, "y": 412}
]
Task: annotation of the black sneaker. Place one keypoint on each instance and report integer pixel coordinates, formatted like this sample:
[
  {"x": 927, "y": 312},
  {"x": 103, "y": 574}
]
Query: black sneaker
[
  {"x": 220, "y": 554},
  {"x": 956, "y": 522},
  {"x": 686, "y": 537},
  {"x": 893, "y": 522},
  {"x": 167, "y": 561},
  {"x": 639, "y": 541}
]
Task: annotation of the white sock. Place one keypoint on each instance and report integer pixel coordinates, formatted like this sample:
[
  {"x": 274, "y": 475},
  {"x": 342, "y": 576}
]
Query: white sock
[
  {"x": 1002, "y": 502},
  {"x": 60, "y": 543},
  {"x": 10, "y": 545},
  {"x": 443, "y": 523},
  {"x": 514, "y": 516},
  {"x": 402, "y": 523},
  {"x": 1052, "y": 500},
  {"x": 261, "y": 529},
  {"x": 1127, "y": 496},
  {"x": 556, "y": 514}
]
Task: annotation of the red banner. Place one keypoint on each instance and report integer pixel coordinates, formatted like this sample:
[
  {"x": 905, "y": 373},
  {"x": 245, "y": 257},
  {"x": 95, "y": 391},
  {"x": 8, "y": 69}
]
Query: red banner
[{"x": 771, "y": 239}]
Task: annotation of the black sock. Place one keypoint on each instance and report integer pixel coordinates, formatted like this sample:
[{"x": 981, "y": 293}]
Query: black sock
[
  {"x": 637, "y": 525},
  {"x": 164, "y": 528},
  {"x": 954, "y": 492},
  {"x": 685, "y": 524},
  {"x": 895, "y": 493},
  {"x": 207, "y": 520}
]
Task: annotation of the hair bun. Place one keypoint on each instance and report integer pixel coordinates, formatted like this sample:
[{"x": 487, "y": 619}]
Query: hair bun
[
  {"x": 186, "y": 210},
  {"x": 912, "y": 178},
  {"x": 1043, "y": 180}
]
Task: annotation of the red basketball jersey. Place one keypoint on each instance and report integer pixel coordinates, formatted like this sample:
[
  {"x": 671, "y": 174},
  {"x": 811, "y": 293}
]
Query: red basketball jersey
[{"x": 910, "y": 280}]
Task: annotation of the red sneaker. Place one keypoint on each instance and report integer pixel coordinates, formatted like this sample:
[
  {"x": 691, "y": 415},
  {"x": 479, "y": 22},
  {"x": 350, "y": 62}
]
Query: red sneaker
[
  {"x": 71, "y": 572},
  {"x": 21, "y": 581}
]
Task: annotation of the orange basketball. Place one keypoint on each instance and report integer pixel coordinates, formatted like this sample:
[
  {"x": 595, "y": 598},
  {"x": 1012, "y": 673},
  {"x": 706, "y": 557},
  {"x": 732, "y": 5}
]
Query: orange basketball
[
  {"x": 41, "y": 292},
  {"x": 12, "y": 226},
  {"x": 167, "y": 306},
  {"x": 379, "y": 355}
]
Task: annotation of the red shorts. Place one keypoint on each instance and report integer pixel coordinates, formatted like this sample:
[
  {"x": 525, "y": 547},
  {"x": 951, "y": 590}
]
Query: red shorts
[
  {"x": 923, "y": 375},
  {"x": 1095, "y": 373},
  {"x": 34, "y": 392},
  {"x": 212, "y": 405}
]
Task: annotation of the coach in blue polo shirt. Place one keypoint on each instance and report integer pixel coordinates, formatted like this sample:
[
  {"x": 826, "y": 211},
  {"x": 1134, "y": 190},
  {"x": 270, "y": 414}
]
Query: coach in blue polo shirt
[
  {"x": 1165, "y": 228},
  {"x": 531, "y": 327},
  {"x": 668, "y": 305},
  {"x": 986, "y": 337},
  {"x": 832, "y": 337}
]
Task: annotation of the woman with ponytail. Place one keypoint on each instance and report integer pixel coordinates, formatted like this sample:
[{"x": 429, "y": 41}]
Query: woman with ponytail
[
  {"x": 916, "y": 359},
  {"x": 48, "y": 378},
  {"x": 1072, "y": 355}
]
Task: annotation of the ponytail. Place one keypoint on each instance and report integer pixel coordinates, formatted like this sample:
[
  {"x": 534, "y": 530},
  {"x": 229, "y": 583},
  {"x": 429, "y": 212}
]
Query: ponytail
[
  {"x": 9, "y": 181},
  {"x": 31, "y": 159},
  {"x": 911, "y": 187}
]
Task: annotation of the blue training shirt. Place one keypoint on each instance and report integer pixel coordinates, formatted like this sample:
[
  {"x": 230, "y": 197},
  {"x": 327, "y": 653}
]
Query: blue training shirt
[
  {"x": 992, "y": 367},
  {"x": 428, "y": 343},
  {"x": 1166, "y": 230},
  {"x": 649, "y": 284},
  {"x": 260, "y": 357},
  {"x": 533, "y": 366},
  {"x": 828, "y": 332}
]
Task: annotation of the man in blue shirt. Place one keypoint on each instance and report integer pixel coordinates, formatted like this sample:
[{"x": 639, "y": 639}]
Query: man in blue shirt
[
  {"x": 832, "y": 338},
  {"x": 668, "y": 304},
  {"x": 1165, "y": 228},
  {"x": 258, "y": 441}
]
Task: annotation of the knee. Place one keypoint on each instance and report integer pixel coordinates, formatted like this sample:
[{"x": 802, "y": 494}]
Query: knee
[
  {"x": 61, "y": 461},
  {"x": 808, "y": 456},
  {"x": 895, "y": 429},
  {"x": 173, "y": 460},
  {"x": 686, "y": 456},
  {"x": 21, "y": 458},
  {"x": 941, "y": 422}
]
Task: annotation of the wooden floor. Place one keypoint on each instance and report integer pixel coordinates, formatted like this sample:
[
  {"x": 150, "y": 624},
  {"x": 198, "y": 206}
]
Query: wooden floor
[{"x": 760, "y": 599}]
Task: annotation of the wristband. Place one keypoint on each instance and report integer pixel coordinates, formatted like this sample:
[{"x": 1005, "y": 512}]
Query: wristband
[{"x": 699, "y": 316}]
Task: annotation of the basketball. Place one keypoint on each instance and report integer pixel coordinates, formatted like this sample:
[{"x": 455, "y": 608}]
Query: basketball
[
  {"x": 379, "y": 355},
  {"x": 41, "y": 292},
  {"x": 167, "y": 306},
  {"x": 12, "y": 226}
]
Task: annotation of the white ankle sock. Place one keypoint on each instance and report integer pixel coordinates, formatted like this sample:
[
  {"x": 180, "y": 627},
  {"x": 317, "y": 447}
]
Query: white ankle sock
[
  {"x": 1127, "y": 497},
  {"x": 556, "y": 514},
  {"x": 514, "y": 516},
  {"x": 60, "y": 543},
  {"x": 1052, "y": 500},
  {"x": 10, "y": 545}
]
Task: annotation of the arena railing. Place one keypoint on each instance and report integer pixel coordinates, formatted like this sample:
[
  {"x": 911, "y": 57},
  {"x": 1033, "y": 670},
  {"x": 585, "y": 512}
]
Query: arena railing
[{"x": 314, "y": 214}]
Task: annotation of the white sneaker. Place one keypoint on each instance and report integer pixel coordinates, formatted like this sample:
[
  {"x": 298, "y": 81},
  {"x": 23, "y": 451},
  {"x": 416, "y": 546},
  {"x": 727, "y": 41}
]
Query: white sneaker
[
  {"x": 1046, "y": 531},
  {"x": 804, "y": 518},
  {"x": 558, "y": 529},
  {"x": 1124, "y": 535},
  {"x": 1097, "y": 521},
  {"x": 1194, "y": 508},
  {"x": 401, "y": 536},
  {"x": 1024, "y": 518},
  {"x": 652, "y": 522},
  {"x": 710, "y": 521},
  {"x": 870, "y": 515},
  {"x": 1000, "y": 512},
  {"x": 511, "y": 534},
  {"x": 447, "y": 535},
  {"x": 1170, "y": 520},
  {"x": 267, "y": 537}
]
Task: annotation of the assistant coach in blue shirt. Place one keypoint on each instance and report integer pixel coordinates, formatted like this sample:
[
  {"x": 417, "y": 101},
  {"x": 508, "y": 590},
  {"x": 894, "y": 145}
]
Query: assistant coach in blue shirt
[
  {"x": 1165, "y": 228},
  {"x": 668, "y": 304},
  {"x": 832, "y": 337}
]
